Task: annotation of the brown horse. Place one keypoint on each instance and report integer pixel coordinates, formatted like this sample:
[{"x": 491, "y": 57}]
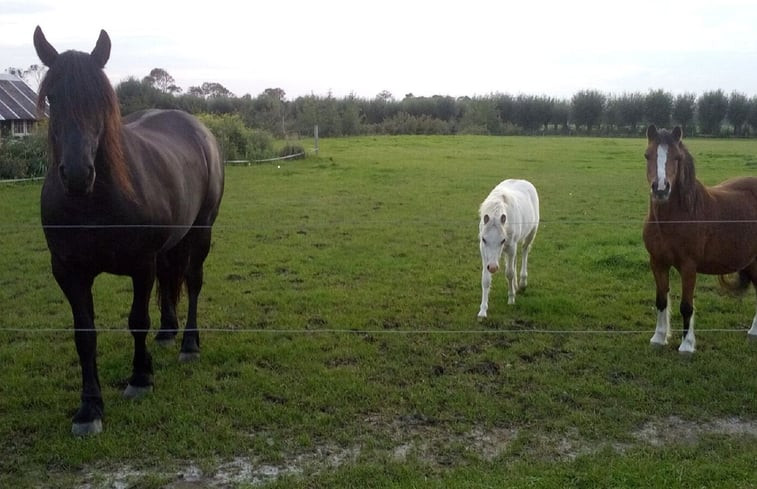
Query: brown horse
[
  {"x": 135, "y": 197},
  {"x": 695, "y": 229}
]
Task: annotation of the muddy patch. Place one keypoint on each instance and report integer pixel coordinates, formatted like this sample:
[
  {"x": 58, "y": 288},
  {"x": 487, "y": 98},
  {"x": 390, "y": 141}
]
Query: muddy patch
[
  {"x": 674, "y": 430},
  {"x": 413, "y": 437}
]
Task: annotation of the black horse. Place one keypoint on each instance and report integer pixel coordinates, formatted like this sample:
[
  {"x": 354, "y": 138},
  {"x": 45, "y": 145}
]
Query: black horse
[{"x": 134, "y": 197}]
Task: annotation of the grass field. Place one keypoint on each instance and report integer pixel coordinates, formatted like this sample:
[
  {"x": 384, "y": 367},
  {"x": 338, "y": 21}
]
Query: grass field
[{"x": 342, "y": 348}]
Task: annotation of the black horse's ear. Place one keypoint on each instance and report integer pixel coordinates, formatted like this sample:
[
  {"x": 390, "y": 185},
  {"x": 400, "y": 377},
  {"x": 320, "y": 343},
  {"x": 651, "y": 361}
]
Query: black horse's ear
[
  {"x": 47, "y": 54},
  {"x": 677, "y": 134},
  {"x": 651, "y": 132},
  {"x": 101, "y": 53}
]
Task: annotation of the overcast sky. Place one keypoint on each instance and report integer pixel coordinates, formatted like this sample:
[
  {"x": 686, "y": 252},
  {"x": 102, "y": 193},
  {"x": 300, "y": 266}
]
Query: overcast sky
[{"x": 470, "y": 47}]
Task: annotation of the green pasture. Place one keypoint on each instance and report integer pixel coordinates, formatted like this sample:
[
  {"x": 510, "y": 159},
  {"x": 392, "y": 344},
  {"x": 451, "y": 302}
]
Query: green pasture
[{"x": 342, "y": 347}]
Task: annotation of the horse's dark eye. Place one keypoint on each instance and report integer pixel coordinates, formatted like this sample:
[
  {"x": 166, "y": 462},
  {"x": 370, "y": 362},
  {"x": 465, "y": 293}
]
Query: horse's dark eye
[
  {"x": 503, "y": 242},
  {"x": 483, "y": 240}
]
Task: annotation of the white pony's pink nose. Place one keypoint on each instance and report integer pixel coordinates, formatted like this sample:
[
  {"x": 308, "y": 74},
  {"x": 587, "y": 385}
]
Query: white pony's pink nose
[{"x": 492, "y": 267}]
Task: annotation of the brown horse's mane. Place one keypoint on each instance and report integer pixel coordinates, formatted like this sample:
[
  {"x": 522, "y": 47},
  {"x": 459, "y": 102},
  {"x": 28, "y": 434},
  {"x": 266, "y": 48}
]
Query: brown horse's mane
[
  {"x": 86, "y": 95},
  {"x": 686, "y": 185}
]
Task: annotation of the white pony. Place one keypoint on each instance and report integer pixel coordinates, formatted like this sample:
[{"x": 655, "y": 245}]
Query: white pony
[{"x": 508, "y": 216}]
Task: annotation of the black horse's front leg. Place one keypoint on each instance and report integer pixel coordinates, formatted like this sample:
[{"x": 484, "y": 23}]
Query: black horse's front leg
[
  {"x": 141, "y": 380},
  {"x": 88, "y": 418},
  {"x": 77, "y": 288}
]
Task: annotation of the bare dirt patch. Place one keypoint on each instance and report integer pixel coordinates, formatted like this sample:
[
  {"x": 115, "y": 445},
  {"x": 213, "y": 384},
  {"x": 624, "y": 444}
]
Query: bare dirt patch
[
  {"x": 412, "y": 438},
  {"x": 673, "y": 430}
]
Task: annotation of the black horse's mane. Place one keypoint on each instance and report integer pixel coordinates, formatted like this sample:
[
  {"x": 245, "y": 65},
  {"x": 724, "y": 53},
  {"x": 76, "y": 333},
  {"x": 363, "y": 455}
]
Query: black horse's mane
[{"x": 85, "y": 95}]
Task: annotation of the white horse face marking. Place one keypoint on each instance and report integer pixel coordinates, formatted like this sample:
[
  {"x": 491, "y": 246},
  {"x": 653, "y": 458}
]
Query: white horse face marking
[
  {"x": 660, "y": 171},
  {"x": 662, "y": 160},
  {"x": 493, "y": 238},
  {"x": 664, "y": 155}
]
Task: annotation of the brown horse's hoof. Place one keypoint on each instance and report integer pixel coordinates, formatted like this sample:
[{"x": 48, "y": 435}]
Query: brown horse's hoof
[{"x": 86, "y": 429}]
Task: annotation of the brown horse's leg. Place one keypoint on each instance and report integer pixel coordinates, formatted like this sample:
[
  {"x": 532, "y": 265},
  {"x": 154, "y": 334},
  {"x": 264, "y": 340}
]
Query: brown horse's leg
[
  {"x": 662, "y": 283},
  {"x": 199, "y": 242},
  {"x": 78, "y": 291},
  {"x": 688, "y": 282},
  {"x": 141, "y": 379}
]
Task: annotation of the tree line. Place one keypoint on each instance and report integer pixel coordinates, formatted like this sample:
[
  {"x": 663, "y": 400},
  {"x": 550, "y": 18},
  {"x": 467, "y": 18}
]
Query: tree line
[
  {"x": 247, "y": 126},
  {"x": 588, "y": 112}
]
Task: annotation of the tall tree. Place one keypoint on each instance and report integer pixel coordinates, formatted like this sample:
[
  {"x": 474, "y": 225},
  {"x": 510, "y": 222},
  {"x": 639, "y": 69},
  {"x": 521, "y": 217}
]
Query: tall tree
[
  {"x": 738, "y": 112},
  {"x": 630, "y": 109},
  {"x": 712, "y": 108},
  {"x": 752, "y": 117},
  {"x": 684, "y": 108},
  {"x": 587, "y": 107},
  {"x": 267, "y": 111},
  {"x": 560, "y": 115},
  {"x": 658, "y": 105},
  {"x": 210, "y": 90}
]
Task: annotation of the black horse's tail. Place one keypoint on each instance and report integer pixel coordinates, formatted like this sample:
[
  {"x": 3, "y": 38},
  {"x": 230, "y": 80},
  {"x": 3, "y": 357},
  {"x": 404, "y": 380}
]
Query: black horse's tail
[
  {"x": 735, "y": 283},
  {"x": 171, "y": 273}
]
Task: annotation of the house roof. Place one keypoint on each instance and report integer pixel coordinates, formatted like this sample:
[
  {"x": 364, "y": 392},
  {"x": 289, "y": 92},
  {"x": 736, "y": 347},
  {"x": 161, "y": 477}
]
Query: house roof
[{"x": 17, "y": 100}]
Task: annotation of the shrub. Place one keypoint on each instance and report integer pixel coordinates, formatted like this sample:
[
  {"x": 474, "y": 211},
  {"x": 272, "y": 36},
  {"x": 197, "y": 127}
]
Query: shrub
[
  {"x": 291, "y": 150},
  {"x": 24, "y": 157},
  {"x": 237, "y": 141},
  {"x": 404, "y": 123}
]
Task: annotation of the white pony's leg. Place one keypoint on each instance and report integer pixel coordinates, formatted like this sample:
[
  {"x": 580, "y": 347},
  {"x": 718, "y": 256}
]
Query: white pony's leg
[
  {"x": 512, "y": 281},
  {"x": 662, "y": 330},
  {"x": 689, "y": 342},
  {"x": 486, "y": 282},
  {"x": 524, "y": 264},
  {"x": 752, "y": 334}
]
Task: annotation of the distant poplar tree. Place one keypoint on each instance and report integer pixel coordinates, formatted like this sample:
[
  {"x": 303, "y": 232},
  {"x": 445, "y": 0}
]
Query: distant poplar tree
[
  {"x": 738, "y": 112},
  {"x": 658, "y": 105},
  {"x": 684, "y": 108},
  {"x": 752, "y": 117},
  {"x": 587, "y": 107},
  {"x": 712, "y": 108},
  {"x": 630, "y": 110}
]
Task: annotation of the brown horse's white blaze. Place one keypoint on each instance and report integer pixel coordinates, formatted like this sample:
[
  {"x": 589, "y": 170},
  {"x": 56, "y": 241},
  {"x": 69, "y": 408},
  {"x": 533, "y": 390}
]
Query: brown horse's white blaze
[
  {"x": 694, "y": 229},
  {"x": 509, "y": 216}
]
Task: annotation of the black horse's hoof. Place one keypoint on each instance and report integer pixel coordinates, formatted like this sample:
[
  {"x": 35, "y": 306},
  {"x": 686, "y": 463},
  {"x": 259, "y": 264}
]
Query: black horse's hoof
[
  {"x": 189, "y": 356},
  {"x": 136, "y": 392},
  {"x": 87, "y": 429},
  {"x": 165, "y": 338}
]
